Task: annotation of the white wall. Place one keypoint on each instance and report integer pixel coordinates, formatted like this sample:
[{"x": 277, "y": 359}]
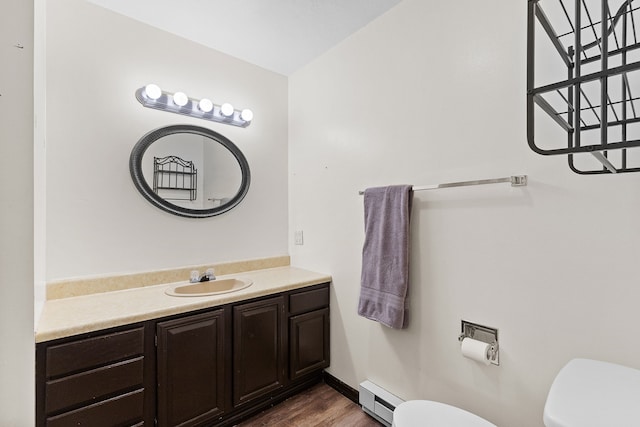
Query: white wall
[
  {"x": 435, "y": 92},
  {"x": 97, "y": 222},
  {"x": 16, "y": 215},
  {"x": 39, "y": 157}
]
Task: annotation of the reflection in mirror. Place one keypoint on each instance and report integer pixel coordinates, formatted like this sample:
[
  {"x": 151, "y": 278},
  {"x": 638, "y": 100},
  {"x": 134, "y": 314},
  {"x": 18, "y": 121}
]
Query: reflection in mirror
[
  {"x": 189, "y": 171},
  {"x": 172, "y": 176}
]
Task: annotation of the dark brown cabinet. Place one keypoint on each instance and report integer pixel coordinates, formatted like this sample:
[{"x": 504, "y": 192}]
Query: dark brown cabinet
[
  {"x": 258, "y": 349},
  {"x": 98, "y": 380},
  {"x": 213, "y": 367},
  {"x": 308, "y": 331},
  {"x": 309, "y": 343},
  {"x": 191, "y": 369}
]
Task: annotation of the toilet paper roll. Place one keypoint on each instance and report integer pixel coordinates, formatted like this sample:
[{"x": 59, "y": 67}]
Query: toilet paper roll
[{"x": 476, "y": 350}]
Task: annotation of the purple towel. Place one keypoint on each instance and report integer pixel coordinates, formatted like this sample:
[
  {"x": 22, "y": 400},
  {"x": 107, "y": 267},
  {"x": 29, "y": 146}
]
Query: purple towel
[{"x": 385, "y": 255}]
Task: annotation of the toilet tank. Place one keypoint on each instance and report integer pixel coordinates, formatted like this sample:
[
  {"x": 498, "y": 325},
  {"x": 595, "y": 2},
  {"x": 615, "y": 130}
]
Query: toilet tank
[{"x": 590, "y": 393}]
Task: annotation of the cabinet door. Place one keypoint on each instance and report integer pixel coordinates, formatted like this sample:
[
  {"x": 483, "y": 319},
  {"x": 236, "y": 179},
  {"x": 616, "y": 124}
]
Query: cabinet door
[
  {"x": 258, "y": 352},
  {"x": 191, "y": 369},
  {"x": 308, "y": 342}
]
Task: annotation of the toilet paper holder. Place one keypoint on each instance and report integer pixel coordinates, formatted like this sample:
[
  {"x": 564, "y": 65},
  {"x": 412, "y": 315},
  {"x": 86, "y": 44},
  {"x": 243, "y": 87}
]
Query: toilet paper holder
[{"x": 485, "y": 334}]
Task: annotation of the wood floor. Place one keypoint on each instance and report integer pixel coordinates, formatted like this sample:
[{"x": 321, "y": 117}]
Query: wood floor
[{"x": 320, "y": 405}]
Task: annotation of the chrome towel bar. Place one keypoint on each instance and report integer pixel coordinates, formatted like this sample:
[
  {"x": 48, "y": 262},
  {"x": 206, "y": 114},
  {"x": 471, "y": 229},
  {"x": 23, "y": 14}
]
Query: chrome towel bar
[{"x": 514, "y": 180}]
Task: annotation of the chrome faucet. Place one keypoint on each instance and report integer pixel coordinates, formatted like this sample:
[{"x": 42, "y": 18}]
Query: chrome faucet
[{"x": 196, "y": 277}]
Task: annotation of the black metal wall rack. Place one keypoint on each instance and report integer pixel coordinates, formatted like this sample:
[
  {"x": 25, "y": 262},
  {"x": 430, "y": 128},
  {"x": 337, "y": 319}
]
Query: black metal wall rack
[
  {"x": 593, "y": 105},
  {"x": 174, "y": 173}
]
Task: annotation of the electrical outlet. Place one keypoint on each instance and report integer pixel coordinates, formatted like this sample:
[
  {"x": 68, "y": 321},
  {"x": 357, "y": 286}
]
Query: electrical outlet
[{"x": 298, "y": 238}]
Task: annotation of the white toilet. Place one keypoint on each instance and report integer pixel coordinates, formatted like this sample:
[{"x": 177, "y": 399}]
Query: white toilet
[
  {"x": 585, "y": 393},
  {"x": 589, "y": 393},
  {"x": 427, "y": 413}
]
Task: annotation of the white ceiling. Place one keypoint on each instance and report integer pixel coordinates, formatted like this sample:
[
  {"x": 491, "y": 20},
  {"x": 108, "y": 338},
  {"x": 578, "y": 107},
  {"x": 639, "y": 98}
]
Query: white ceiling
[{"x": 279, "y": 35}]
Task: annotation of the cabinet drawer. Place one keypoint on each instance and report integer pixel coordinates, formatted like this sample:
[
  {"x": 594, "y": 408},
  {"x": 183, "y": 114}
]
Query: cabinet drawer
[
  {"x": 90, "y": 386},
  {"x": 122, "y": 410},
  {"x": 308, "y": 300},
  {"x": 92, "y": 352}
]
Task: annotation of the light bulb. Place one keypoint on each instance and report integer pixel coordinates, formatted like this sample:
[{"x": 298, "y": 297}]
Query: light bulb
[
  {"x": 153, "y": 91},
  {"x": 180, "y": 99},
  {"x": 205, "y": 105},
  {"x": 246, "y": 115},
  {"x": 227, "y": 110}
]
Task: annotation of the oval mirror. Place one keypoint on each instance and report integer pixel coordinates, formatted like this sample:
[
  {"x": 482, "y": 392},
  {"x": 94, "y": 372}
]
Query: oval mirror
[{"x": 189, "y": 171}]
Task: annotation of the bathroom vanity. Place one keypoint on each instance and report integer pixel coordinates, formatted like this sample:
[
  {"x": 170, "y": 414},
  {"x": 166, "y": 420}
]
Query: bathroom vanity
[{"x": 212, "y": 365}]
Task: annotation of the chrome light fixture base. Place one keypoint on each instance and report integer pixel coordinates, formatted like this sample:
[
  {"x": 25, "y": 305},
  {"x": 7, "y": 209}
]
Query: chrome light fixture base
[{"x": 152, "y": 97}]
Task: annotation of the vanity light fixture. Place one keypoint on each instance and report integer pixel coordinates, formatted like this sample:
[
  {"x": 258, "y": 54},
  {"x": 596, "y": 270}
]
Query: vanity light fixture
[{"x": 152, "y": 96}]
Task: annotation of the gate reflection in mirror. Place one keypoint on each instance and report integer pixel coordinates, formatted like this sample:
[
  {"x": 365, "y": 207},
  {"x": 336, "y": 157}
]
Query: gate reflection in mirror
[
  {"x": 171, "y": 174},
  {"x": 218, "y": 180}
]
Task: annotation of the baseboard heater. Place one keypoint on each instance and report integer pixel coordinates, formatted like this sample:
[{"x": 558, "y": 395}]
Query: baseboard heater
[{"x": 378, "y": 402}]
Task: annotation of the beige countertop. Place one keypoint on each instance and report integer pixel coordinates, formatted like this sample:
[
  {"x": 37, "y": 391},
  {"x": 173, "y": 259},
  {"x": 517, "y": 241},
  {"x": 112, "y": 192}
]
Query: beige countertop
[{"x": 75, "y": 315}]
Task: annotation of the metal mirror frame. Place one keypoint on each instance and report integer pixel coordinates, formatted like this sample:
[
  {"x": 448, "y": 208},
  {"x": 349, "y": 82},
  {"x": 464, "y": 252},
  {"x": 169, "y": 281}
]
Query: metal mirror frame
[{"x": 135, "y": 167}]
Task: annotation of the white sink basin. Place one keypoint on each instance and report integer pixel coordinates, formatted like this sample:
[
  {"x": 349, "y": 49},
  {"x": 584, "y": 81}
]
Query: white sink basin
[{"x": 212, "y": 287}]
